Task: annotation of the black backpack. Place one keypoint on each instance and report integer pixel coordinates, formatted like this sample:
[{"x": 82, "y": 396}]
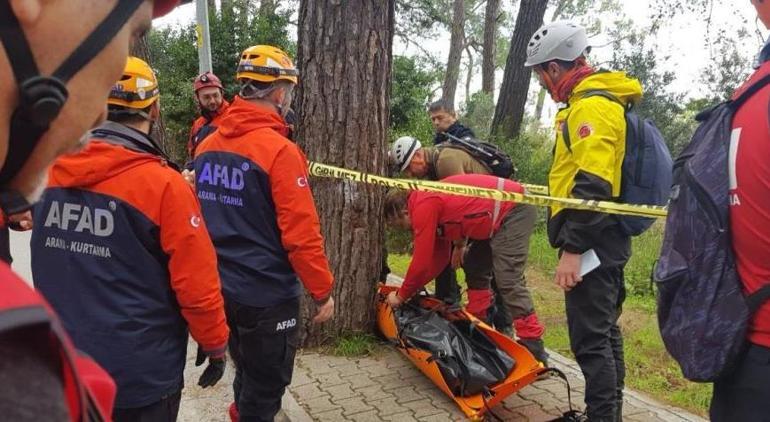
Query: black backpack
[
  {"x": 702, "y": 312},
  {"x": 497, "y": 161}
]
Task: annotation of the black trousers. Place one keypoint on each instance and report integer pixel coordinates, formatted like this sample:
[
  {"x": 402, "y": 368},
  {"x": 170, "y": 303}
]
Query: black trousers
[
  {"x": 165, "y": 410},
  {"x": 263, "y": 342},
  {"x": 446, "y": 286},
  {"x": 593, "y": 309},
  {"x": 745, "y": 394}
]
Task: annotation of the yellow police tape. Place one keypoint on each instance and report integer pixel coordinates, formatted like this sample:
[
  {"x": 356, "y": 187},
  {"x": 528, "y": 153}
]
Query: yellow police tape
[{"x": 654, "y": 211}]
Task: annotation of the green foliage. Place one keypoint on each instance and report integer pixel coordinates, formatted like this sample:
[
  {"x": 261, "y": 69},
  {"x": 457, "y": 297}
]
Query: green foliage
[
  {"x": 729, "y": 68},
  {"x": 478, "y": 113},
  {"x": 531, "y": 153},
  {"x": 413, "y": 84},
  {"x": 174, "y": 56},
  {"x": 638, "y": 56}
]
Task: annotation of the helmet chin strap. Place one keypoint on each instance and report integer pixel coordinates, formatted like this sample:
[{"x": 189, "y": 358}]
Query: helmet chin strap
[{"x": 41, "y": 98}]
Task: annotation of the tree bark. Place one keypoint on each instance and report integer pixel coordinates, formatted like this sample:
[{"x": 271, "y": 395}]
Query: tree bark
[
  {"x": 509, "y": 112},
  {"x": 490, "y": 47},
  {"x": 141, "y": 49},
  {"x": 469, "y": 74},
  {"x": 345, "y": 60},
  {"x": 455, "y": 52}
]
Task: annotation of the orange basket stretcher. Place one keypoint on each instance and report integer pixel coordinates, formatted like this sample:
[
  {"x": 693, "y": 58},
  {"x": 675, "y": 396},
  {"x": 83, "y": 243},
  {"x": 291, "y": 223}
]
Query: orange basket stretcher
[{"x": 526, "y": 370}]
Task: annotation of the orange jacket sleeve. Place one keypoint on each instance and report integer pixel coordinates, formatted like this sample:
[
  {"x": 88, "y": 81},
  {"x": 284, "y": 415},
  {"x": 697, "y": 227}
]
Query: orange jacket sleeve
[
  {"x": 193, "y": 267},
  {"x": 298, "y": 222}
]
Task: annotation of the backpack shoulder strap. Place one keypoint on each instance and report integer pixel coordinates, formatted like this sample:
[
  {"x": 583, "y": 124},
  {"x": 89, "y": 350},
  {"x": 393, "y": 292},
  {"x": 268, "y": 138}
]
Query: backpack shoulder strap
[
  {"x": 588, "y": 94},
  {"x": 756, "y": 299},
  {"x": 753, "y": 89}
]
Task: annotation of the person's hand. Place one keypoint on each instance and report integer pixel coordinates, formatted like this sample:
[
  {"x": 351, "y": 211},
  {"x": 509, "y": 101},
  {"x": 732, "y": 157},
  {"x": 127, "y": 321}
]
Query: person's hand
[
  {"x": 394, "y": 300},
  {"x": 568, "y": 271},
  {"x": 213, "y": 372},
  {"x": 325, "y": 312},
  {"x": 458, "y": 256},
  {"x": 21, "y": 221},
  {"x": 189, "y": 176}
]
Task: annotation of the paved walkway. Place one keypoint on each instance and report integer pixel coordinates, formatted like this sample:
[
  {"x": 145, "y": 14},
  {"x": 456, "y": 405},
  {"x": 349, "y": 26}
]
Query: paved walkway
[
  {"x": 387, "y": 387},
  {"x": 384, "y": 387}
]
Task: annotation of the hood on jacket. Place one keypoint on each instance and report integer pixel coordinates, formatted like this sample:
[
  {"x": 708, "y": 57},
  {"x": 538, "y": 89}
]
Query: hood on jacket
[
  {"x": 101, "y": 159},
  {"x": 244, "y": 117},
  {"x": 627, "y": 90}
]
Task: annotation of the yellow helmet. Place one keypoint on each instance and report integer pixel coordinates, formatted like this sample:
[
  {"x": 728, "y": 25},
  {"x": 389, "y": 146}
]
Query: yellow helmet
[
  {"x": 137, "y": 88},
  {"x": 265, "y": 63}
]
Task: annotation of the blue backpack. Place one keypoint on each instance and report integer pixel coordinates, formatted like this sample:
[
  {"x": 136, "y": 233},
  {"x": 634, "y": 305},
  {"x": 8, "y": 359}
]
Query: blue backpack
[
  {"x": 702, "y": 312},
  {"x": 646, "y": 172}
]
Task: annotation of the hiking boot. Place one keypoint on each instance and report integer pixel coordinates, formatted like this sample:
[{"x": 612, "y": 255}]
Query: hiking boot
[{"x": 536, "y": 347}]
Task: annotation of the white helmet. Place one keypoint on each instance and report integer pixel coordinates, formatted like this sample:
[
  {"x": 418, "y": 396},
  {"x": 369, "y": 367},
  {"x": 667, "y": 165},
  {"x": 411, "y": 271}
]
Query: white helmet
[
  {"x": 402, "y": 151},
  {"x": 562, "y": 40}
]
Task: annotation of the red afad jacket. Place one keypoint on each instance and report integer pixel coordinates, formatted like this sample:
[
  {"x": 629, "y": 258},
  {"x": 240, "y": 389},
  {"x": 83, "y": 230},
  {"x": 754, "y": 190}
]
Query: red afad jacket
[{"x": 438, "y": 219}]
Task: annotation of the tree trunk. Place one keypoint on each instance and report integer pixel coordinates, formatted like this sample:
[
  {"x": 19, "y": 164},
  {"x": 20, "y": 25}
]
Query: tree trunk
[
  {"x": 345, "y": 59},
  {"x": 455, "y": 52},
  {"x": 509, "y": 112},
  {"x": 469, "y": 74},
  {"x": 267, "y": 7},
  {"x": 540, "y": 104},
  {"x": 141, "y": 49},
  {"x": 490, "y": 47}
]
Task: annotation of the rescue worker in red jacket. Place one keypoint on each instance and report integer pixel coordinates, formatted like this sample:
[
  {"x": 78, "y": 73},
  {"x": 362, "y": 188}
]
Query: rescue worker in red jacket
[
  {"x": 440, "y": 221},
  {"x": 51, "y": 92},
  {"x": 140, "y": 266},
  {"x": 252, "y": 183},
  {"x": 744, "y": 395},
  {"x": 209, "y": 94}
]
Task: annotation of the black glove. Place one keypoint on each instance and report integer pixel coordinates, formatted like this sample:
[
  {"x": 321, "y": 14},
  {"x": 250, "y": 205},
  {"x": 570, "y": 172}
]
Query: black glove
[{"x": 213, "y": 373}]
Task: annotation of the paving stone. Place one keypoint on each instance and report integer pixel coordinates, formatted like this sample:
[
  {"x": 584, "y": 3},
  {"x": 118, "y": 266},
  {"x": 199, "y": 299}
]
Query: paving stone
[
  {"x": 373, "y": 393},
  {"x": 368, "y": 416},
  {"x": 340, "y": 392},
  {"x": 534, "y": 412},
  {"x": 348, "y": 370},
  {"x": 319, "y": 405},
  {"x": 644, "y": 417},
  {"x": 400, "y": 417},
  {"x": 354, "y": 405},
  {"x": 388, "y": 406},
  {"x": 378, "y": 371},
  {"x": 408, "y": 393},
  {"x": 334, "y": 361},
  {"x": 630, "y": 410},
  {"x": 328, "y": 379},
  {"x": 331, "y": 416},
  {"x": 514, "y": 400},
  {"x": 531, "y": 393},
  {"x": 422, "y": 408},
  {"x": 359, "y": 381},
  {"x": 440, "y": 417},
  {"x": 300, "y": 378},
  {"x": 308, "y": 392}
]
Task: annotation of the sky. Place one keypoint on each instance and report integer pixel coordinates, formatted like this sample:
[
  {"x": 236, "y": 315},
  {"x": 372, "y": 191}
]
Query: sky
[{"x": 682, "y": 39}]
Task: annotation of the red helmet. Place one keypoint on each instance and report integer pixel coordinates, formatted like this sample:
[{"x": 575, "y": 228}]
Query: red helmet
[
  {"x": 206, "y": 80},
  {"x": 161, "y": 7}
]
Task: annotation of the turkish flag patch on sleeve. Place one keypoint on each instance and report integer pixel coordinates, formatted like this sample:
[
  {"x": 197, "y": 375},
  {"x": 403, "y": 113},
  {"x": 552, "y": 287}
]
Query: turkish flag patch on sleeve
[{"x": 585, "y": 130}]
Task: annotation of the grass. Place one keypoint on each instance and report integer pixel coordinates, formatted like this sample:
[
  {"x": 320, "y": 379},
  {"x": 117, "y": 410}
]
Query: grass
[
  {"x": 648, "y": 367},
  {"x": 355, "y": 345}
]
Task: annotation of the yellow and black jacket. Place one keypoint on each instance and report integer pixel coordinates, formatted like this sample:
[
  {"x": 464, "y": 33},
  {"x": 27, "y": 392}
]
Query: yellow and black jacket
[{"x": 590, "y": 166}]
